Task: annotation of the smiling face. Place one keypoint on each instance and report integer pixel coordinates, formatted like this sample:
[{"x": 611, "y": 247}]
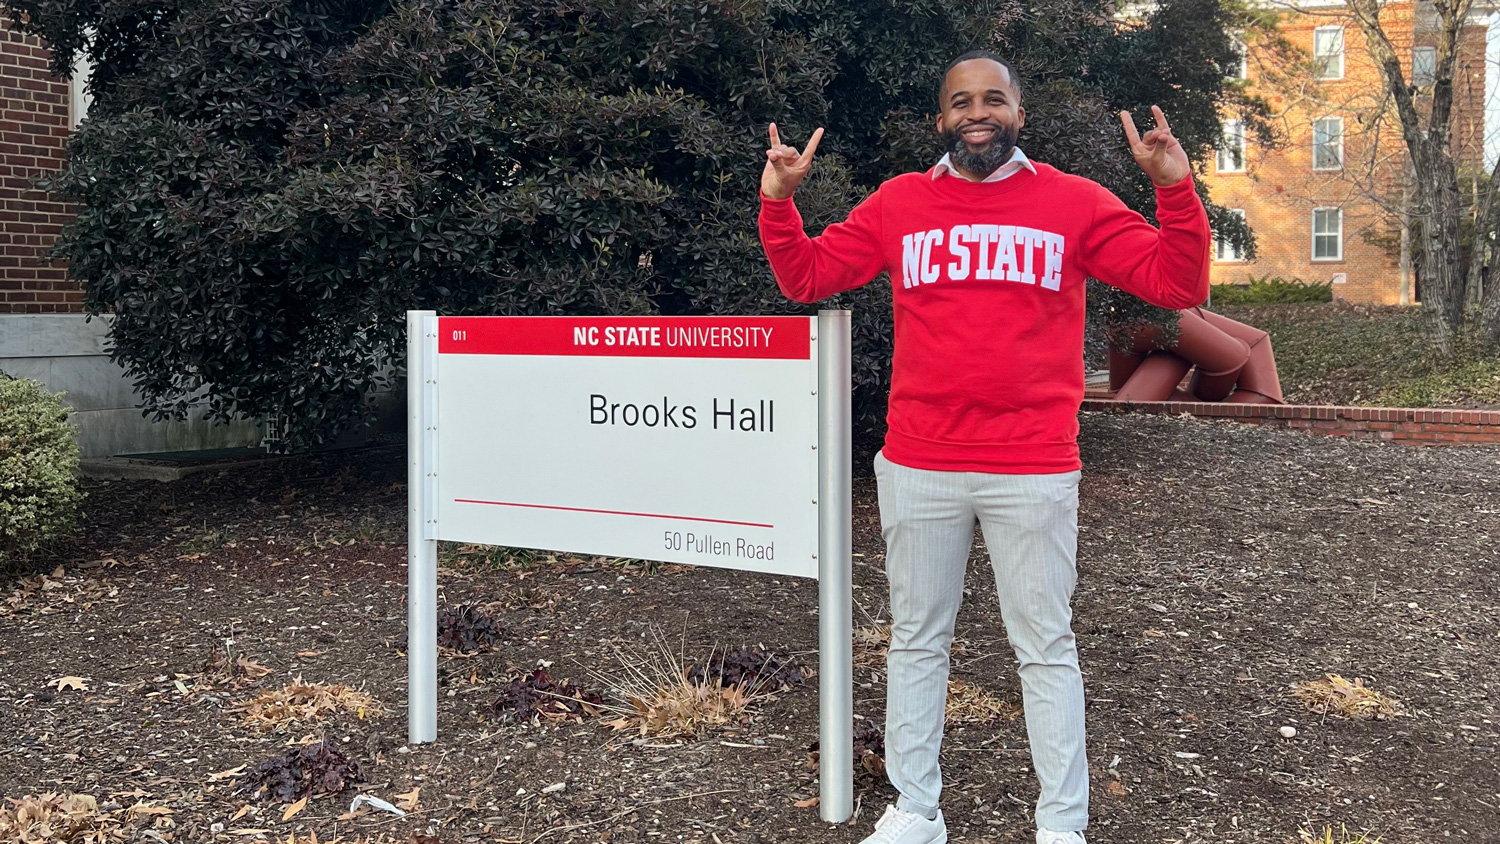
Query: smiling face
[{"x": 980, "y": 116}]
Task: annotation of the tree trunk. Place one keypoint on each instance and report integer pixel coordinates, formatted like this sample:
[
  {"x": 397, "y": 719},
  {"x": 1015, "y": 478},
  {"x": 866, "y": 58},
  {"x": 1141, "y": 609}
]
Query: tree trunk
[
  {"x": 1491, "y": 308},
  {"x": 1405, "y": 290},
  {"x": 1443, "y": 280}
]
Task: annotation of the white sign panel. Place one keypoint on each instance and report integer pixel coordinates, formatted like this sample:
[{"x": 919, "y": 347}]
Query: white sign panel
[{"x": 680, "y": 439}]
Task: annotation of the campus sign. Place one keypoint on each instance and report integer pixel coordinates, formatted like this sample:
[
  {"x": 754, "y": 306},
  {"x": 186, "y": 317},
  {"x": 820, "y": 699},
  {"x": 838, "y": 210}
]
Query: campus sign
[
  {"x": 713, "y": 441},
  {"x": 685, "y": 440}
]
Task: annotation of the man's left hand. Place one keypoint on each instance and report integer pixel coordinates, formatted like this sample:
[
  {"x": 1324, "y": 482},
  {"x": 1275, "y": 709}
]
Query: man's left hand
[{"x": 1159, "y": 153}]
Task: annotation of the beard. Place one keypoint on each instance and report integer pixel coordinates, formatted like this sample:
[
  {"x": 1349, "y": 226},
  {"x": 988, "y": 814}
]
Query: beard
[{"x": 986, "y": 159}]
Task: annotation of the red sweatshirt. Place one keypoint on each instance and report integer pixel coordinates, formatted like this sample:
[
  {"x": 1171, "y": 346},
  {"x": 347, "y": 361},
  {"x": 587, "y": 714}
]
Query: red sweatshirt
[{"x": 988, "y": 285}]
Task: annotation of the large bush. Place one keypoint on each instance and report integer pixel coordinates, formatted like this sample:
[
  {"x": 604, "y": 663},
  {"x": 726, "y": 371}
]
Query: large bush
[
  {"x": 38, "y": 469},
  {"x": 1271, "y": 290},
  {"x": 269, "y": 184}
]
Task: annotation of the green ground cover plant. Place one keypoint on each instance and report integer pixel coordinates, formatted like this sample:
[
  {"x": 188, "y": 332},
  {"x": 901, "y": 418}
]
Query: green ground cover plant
[{"x": 1345, "y": 354}]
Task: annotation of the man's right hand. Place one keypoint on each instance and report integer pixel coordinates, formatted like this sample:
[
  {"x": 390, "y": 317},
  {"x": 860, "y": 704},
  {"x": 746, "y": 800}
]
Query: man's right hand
[{"x": 785, "y": 168}]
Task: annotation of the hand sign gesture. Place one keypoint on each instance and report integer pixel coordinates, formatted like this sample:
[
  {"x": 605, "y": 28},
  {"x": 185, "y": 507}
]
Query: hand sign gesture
[
  {"x": 1158, "y": 153},
  {"x": 784, "y": 167}
]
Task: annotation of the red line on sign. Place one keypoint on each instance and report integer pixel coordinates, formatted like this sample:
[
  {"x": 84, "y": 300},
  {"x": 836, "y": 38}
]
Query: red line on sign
[{"x": 611, "y": 512}]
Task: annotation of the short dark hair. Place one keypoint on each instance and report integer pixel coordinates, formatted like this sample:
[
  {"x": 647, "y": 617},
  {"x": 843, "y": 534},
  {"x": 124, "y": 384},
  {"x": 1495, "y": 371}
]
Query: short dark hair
[{"x": 1015, "y": 78}]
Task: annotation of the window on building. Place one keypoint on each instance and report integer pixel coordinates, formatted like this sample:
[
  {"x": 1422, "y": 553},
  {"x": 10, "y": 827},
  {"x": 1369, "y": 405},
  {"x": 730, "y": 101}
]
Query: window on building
[
  {"x": 1423, "y": 66},
  {"x": 1427, "y": 16},
  {"x": 79, "y": 98},
  {"x": 1223, "y": 249},
  {"x": 1328, "y": 52},
  {"x": 1327, "y": 234},
  {"x": 1238, "y": 66},
  {"x": 1328, "y": 143},
  {"x": 1231, "y": 157}
]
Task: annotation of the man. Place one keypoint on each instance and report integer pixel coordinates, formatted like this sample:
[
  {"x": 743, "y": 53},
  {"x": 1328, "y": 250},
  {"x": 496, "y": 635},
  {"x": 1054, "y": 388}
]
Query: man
[{"x": 987, "y": 252}]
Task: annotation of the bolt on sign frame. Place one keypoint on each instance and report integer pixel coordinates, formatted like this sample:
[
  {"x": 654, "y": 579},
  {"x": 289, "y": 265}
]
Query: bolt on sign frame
[{"x": 718, "y": 441}]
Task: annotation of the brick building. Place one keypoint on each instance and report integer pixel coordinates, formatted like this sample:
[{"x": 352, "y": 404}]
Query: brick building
[
  {"x": 1328, "y": 203},
  {"x": 43, "y": 332},
  {"x": 37, "y": 110}
]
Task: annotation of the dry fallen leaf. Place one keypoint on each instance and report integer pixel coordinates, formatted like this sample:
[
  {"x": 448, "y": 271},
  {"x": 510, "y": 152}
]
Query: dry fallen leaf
[
  {"x": 408, "y": 801},
  {"x": 229, "y": 774},
  {"x": 252, "y": 668},
  {"x": 75, "y": 683},
  {"x": 292, "y": 810},
  {"x": 244, "y": 810},
  {"x": 1115, "y": 789},
  {"x": 143, "y": 809},
  {"x": 300, "y": 702},
  {"x": 806, "y": 804},
  {"x": 307, "y": 654}
]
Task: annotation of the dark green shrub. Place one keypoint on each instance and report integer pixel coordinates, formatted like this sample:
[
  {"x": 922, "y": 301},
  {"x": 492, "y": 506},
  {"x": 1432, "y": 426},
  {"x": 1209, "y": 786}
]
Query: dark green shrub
[
  {"x": 1271, "y": 290},
  {"x": 269, "y": 184},
  {"x": 38, "y": 469}
]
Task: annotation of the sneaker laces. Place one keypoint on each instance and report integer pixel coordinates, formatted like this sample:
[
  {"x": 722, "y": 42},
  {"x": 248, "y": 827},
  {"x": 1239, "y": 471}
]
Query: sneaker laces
[{"x": 891, "y": 824}]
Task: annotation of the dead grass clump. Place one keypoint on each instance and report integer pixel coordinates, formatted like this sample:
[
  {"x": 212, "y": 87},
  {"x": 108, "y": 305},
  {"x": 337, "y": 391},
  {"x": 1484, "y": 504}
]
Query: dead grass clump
[
  {"x": 972, "y": 704},
  {"x": 1343, "y": 836},
  {"x": 682, "y": 709},
  {"x": 74, "y": 818},
  {"x": 224, "y": 665},
  {"x": 1333, "y": 695},
  {"x": 667, "y": 698},
  {"x": 301, "y": 702},
  {"x": 871, "y": 644}
]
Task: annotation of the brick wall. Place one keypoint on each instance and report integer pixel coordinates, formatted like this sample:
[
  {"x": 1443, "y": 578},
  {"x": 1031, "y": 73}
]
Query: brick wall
[
  {"x": 1278, "y": 188},
  {"x": 34, "y": 120},
  {"x": 1401, "y": 425}
]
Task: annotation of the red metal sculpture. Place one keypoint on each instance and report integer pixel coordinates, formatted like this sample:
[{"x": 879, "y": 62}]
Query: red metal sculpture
[{"x": 1231, "y": 362}]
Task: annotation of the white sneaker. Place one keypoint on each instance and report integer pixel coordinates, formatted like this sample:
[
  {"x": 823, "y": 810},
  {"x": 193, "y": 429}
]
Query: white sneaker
[
  {"x": 898, "y": 826},
  {"x": 1048, "y": 836}
]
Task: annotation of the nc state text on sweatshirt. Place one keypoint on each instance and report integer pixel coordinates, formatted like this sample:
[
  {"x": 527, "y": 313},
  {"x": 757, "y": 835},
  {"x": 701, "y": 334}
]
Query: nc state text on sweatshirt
[{"x": 1005, "y": 253}]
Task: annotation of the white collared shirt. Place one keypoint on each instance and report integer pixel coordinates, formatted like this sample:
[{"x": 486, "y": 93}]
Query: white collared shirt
[{"x": 1018, "y": 160}]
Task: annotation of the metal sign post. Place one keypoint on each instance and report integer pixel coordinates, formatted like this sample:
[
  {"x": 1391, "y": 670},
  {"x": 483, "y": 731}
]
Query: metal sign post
[
  {"x": 421, "y": 535},
  {"x": 835, "y": 561},
  {"x": 612, "y": 436}
]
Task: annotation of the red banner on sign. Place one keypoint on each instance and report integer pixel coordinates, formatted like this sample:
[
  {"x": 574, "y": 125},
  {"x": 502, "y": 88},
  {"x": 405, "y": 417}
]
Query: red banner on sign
[{"x": 763, "y": 338}]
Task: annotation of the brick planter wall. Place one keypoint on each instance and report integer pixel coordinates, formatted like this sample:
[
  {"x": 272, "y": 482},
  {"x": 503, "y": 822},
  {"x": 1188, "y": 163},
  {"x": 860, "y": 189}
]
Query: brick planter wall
[{"x": 1407, "y": 425}]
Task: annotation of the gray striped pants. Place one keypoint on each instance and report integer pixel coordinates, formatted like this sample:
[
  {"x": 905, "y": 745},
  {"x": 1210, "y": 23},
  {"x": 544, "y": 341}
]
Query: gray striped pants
[{"x": 1030, "y": 525}]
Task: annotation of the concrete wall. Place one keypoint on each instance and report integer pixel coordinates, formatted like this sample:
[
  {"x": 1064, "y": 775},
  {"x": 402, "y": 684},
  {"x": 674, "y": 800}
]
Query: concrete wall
[{"x": 66, "y": 353}]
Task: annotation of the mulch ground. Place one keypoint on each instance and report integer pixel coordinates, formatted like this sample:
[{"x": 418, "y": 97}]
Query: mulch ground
[{"x": 1219, "y": 565}]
